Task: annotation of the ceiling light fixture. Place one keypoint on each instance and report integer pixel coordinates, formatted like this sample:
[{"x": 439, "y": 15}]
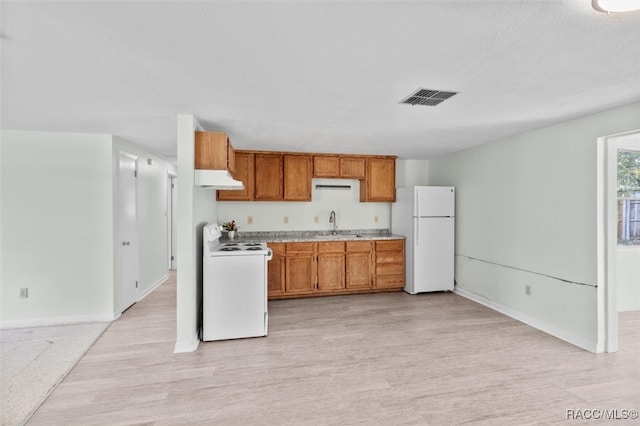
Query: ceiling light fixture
[{"x": 613, "y": 6}]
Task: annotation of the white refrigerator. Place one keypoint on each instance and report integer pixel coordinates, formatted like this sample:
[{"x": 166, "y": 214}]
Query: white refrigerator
[{"x": 426, "y": 216}]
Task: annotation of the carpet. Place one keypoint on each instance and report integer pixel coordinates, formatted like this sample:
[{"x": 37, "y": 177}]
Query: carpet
[{"x": 35, "y": 360}]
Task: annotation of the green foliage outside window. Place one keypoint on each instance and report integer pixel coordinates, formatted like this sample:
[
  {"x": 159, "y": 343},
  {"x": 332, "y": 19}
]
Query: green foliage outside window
[
  {"x": 629, "y": 197},
  {"x": 628, "y": 173}
]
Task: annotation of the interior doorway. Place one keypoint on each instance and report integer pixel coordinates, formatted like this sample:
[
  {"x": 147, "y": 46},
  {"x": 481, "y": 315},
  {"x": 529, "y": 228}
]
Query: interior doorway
[
  {"x": 172, "y": 221},
  {"x": 610, "y": 269},
  {"x": 127, "y": 230}
]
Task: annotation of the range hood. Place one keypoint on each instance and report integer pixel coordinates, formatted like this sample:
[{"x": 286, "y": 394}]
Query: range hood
[{"x": 217, "y": 179}]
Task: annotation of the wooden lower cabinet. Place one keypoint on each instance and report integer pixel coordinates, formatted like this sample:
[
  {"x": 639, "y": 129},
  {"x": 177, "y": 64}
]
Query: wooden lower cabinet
[
  {"x": 358, "y": 265},
  {"x": 389, "y": 264},
  {"x": 330, "y": 266},
  {"x": 335, "y": 267},
  {"x": 276, "y": 268},
  {"x": 300, "y": 270}
]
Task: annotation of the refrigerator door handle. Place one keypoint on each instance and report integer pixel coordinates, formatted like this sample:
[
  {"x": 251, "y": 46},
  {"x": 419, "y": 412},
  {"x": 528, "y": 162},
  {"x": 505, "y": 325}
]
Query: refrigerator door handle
[
  {"x": 417, "y": 205},
  {"x": 417, "y": 227}
]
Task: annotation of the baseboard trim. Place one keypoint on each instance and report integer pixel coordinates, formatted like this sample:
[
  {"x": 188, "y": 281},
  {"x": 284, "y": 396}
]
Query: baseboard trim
[
  {"x": 182, "y": 347},
  {"x": 533, "y": 322},
  {"x": 45, "y": 322},
  {"x": 153, "y": 287}
]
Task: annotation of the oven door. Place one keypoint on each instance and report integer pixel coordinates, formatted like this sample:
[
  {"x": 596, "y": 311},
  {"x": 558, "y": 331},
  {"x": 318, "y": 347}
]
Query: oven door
[{"x": 233, "y": 297}]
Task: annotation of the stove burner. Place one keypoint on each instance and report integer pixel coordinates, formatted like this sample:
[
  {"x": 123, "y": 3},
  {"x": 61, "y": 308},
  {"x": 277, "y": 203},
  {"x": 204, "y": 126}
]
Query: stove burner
[
  {"x": 230, "y": 244},
  {"x": 230, "y": 249},
  {"x": 254, "y": 248},
  {"x": 253, "y": 244}
]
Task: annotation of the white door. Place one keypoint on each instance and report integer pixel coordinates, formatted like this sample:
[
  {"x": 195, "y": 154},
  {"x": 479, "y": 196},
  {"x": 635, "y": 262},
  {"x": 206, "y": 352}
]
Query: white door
[
  {"x": 433, "y": 254},
  {"x": 127, "y": 240},
  {"x": 434, "y": 201},
  {"x": 174, "y": 223}
]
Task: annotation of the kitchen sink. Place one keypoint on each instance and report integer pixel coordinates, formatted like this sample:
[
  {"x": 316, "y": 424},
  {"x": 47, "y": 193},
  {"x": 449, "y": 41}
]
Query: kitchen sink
[{"x": 337, "y": 237}]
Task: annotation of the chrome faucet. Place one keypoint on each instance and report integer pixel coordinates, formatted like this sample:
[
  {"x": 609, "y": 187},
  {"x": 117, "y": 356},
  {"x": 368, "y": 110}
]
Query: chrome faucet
[{"x": 332, "y": 219}]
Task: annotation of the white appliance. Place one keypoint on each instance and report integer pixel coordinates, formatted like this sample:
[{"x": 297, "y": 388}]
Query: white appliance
[
  {"x": 217, "y": 179},
  {"x": 234, "y": 287},
  {"x": 426, "y": 216}
]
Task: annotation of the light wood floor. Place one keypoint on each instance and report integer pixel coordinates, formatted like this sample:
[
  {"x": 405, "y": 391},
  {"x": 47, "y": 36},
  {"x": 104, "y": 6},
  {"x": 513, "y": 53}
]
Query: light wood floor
[{"x": 379, "y": 359}]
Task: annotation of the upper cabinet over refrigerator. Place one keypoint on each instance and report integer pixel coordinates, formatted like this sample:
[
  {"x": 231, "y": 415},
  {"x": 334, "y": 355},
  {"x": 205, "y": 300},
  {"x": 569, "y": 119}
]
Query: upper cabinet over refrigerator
[{"x": 434, "y": 201}]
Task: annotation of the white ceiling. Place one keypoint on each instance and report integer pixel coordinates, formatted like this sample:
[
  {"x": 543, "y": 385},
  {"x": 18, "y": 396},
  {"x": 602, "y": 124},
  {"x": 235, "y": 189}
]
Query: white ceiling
[{"x": 314, "y": 76}]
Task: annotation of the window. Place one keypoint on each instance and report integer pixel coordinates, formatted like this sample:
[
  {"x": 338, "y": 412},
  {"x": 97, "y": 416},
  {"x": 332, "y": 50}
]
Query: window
[{"x": 628, "y": 197}]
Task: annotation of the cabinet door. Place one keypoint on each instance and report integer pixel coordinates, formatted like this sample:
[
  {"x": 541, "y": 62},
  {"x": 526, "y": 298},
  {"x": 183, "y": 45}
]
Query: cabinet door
[
  {"x": 326, "y": 166},
  {"x": 330, "y": 271},
  {"x": 300, "y": 273},
  {"x": 352, "y": 167},
  {"x": 212, "y": 151},
  {"x": 330, "y": 266},
  {"x": 244, "y": 173},
  {"x": 297, "y": 177},
  {"x": 231, "y": 158},
  {"x": 380, "y": 183},
  {"x": 268, "y": 177},
  {"x": 359, "y": 260},
  {"x": 276, "y": 268}
]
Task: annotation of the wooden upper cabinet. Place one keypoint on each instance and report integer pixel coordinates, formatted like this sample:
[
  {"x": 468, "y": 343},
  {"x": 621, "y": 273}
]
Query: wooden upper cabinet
[
  {"x": 269, "y": 177},
  {"x": 352, "y": 167},
  {"x": 339, "y": 166},
  {"x": 244, "y": 166},
  {"x": 326, "y": 166},
  {"x": 297, "y": 177},
  {"x": 380, "y": 181},
  {"x": 213, "y": 151}
]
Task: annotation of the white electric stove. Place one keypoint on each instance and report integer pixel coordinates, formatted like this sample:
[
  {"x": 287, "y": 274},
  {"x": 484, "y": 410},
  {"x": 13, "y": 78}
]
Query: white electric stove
[{"x": 234, "y": 287}]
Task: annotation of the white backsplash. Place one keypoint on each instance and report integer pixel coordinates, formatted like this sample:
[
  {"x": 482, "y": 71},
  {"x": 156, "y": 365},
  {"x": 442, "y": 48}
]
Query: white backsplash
[{"x": 350, "y": 212}]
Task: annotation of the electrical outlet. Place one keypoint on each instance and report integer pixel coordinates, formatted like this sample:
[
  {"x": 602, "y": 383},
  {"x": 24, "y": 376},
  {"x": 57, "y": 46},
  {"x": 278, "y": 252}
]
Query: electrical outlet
[
  {"x": 24, "y": 293},
  {"x": 249, "y": 220},
  {"x": 527, "y": 290},
  {"x": 375, "y": 219},
  {"x": 286, "y": 220},
  {"x": 316, "y": 219}
]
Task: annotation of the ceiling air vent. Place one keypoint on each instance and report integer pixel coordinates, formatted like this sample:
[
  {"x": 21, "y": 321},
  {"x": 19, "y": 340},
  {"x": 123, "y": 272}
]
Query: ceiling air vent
[{"x": 427, "y": 97}]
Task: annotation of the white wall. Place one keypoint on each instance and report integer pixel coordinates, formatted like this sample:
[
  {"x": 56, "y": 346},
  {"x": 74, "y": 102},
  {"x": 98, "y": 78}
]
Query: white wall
[
  {"x": 196, "y": 207},
  {"x": 412, "y": 173},
  {"x": 526, "y": 215},
  {"x": 59, "y": 204},
  {"x": 628, "y": 278},
  {"x": 350, "y": 212},
  {"x": 57, "y": 228}
]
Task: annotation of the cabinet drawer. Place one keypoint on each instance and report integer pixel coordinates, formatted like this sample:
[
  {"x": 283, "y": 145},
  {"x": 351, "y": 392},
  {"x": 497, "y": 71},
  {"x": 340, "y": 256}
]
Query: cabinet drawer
[
  {"x": 300, "y": 247},
  {"x": 389, "y": 257},
  {"x": 358, "y": 246},
  {"x": 389, "y": 269},
  {"x": 390, "y": 281},
  {"x": 331, "y": 247},
  {"x": 390, "y": 245},
  {"x": 276, "y": 248}
]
